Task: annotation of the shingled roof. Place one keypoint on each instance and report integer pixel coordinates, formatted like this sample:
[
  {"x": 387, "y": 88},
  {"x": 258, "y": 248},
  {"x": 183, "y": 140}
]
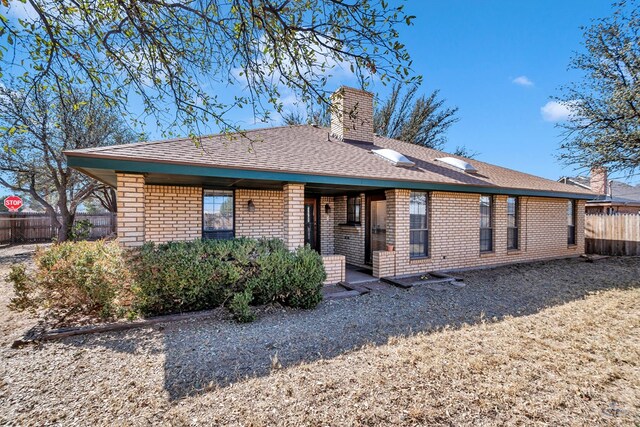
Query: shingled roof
[
  {"x": 620, "y": 192},
  {"x": 310, "y": 151}
]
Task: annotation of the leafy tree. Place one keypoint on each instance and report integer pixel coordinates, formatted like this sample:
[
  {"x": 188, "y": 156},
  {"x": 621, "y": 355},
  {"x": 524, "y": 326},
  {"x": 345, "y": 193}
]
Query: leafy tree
[
  {"x": 3, "y": 208},
  {"x": 603, "y": 127},
  {"x": 171, "y": 54},
  {"x": 423, "y": 121},
  {"x": 39, "y": 126}
]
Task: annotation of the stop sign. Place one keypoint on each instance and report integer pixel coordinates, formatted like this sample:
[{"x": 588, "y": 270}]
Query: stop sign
[{"x": 13, "y": 203}]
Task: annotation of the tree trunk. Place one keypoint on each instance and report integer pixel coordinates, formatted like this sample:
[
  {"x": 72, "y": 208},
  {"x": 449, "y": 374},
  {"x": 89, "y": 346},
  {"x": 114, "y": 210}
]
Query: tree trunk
[{"x": 65, "y": 226}]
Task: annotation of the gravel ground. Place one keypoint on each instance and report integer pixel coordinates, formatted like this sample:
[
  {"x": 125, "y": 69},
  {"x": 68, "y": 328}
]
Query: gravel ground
[
  {"x": 13, "y": 325},
  {"x": 137, "y": 377}
]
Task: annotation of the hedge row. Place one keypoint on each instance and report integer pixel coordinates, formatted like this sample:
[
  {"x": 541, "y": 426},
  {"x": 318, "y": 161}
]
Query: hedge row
[{"x": 100, "y": 279}]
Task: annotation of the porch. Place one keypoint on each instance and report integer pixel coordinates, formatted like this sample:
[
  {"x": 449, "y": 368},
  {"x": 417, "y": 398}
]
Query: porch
[
  {"x": 354, "y": 229},
  {"x": 347, "y": 225}
]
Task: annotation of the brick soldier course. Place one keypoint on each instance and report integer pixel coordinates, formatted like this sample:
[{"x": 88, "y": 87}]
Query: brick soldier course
[{"x": 161, "y": 185}]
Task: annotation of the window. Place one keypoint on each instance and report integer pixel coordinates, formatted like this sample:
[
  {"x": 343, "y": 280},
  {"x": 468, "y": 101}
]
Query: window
[
  {"x": 418, "y": 225},
  {"x": 512, "y": 223},
  {"x": 486, "y": 223},
  {"x": 217, "y": 216},
  {"x": 571, "y": 222},
  {"x": 353, "y": 210}
]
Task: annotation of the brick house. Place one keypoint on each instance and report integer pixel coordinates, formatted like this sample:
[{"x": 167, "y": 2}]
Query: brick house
[
  {"x": 355, "y": 197},
  {"x": 611, "y": 197}
]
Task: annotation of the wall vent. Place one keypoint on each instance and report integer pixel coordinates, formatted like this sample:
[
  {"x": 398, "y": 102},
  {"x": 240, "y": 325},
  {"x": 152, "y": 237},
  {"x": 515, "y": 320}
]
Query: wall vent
[
  {"x": 398, "y": 159},
  {"x": 459, "y": 164}
]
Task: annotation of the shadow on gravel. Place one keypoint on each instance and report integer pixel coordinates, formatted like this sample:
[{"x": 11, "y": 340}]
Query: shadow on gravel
[{"x": 214, "y": 353}]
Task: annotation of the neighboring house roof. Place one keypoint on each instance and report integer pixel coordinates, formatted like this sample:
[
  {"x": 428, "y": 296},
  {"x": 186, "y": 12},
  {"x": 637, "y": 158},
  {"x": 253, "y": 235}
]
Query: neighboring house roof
[
  {"x": 620, "y": 193},
  {"x": 307, "y": 153}
]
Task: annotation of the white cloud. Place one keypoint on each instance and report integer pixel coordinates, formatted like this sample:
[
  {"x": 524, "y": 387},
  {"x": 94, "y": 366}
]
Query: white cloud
[
  {"x": 23, "y": 11},
  {"x": 522, "y": 81},
  {"x": 554, "y": 111},
  {"x": 289, "y": 100}
]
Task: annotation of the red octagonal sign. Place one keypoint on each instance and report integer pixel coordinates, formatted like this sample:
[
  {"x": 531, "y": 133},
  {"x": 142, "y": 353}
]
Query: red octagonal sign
[{"x": 13, "y": 203}]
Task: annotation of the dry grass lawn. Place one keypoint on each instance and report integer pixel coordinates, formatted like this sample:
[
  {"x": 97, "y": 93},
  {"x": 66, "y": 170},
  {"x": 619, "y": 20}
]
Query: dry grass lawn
[{"x": 576, "y": 364}]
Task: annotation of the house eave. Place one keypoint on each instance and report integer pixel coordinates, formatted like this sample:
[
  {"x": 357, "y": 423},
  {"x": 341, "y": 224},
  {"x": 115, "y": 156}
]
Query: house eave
[{"x": 87, "y": 164}]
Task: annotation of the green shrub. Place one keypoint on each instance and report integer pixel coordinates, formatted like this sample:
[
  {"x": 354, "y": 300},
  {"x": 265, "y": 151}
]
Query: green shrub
[
  {"x": 187, "y": 276},
  {"x": 239, "y": 306},
  {"x": 290, "y": 278},
  {"x": 81, "y": 230},
  {"x": 26, "y": 297},
  {"x": 89, "y": 278},
  {"x": 304, "y": 287}
]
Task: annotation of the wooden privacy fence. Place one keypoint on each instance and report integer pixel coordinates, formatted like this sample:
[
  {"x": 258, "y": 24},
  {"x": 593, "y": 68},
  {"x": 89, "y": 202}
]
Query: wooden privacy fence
[
  {"x": 612, "y": 234},
  {"x": 24, "y": 227}
]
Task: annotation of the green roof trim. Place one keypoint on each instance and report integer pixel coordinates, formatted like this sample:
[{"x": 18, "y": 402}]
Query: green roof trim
[{"x": 204, "y": 171}]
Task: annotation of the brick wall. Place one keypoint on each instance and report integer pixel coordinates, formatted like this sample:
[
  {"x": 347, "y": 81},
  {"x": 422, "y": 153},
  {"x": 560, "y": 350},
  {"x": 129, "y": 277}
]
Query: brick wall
[
  {"x": 334, "y": 266},
  {"x": 349, "y": 240},
  {"x": 352, "y": 114},
  {"x": 267, "y": 220},
  {"x": 454, "y": 231},
  {"x": 131, "y": 214},
  {"x": 384, "y": 264},
  {"x": 293, "y": 220},
  {"x": 398, "y": 225},
  {"x": 327, "y": 226},
  {"x": 172, "y": 213}
]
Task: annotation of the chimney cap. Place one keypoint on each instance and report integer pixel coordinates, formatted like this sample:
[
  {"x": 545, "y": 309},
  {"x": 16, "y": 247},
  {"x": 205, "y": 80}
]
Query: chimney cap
[{"x": 344, "y": 88}]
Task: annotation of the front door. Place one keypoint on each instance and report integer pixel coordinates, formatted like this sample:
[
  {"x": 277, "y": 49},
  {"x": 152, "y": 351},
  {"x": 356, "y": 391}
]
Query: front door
[
  {"x": 311, "y": 223},
  {"x": 377, "y": 229}
]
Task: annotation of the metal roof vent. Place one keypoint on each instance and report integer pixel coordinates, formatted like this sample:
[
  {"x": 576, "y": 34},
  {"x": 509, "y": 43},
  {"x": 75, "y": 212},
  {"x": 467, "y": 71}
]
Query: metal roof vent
[
  {"x": 458, "y": 163},
  {"x": 394, "y": 157}
]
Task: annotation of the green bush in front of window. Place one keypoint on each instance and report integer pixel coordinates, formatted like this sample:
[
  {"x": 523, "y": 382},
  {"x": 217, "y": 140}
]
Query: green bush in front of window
[{"x": 188, "y": 276}]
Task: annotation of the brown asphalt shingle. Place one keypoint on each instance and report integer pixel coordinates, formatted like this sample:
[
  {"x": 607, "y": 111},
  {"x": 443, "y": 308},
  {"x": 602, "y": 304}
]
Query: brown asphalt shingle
[{"x": 308, "y": 149}]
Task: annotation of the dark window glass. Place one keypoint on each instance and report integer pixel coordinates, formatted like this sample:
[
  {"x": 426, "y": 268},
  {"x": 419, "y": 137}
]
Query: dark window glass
[
  {"x": 217, "y": 206},
  {"x": 512, "y": 223},
  {"x": 418, "y": 225},
  {"x": 486, "y": 224},
  {"x": 353, "y": 210},
  {"x": 571, "y": 222}
]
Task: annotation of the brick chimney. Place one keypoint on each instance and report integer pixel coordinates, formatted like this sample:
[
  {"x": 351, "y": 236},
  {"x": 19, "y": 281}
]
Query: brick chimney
[
  {"x": 352, "y": 115},
  {"x": 599, "y": 180}
]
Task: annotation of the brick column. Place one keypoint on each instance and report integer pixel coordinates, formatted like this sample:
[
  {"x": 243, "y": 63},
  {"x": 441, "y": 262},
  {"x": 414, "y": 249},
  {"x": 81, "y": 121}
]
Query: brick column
[
  {"x": 130, "y": 200},
  {"x": 398, "y": 226},
  {"x": 327, "y": 246},
  {"x": 500, "y": 223},
  {"x": 293, "y": 229}
]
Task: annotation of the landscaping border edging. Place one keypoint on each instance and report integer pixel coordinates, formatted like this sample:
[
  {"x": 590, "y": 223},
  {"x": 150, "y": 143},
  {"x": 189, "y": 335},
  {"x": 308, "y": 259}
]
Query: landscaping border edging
[{"x": 56, "y": 334}]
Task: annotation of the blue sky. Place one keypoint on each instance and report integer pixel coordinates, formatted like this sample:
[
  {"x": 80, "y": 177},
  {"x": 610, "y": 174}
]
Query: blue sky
[{"x": 500, "y": 62}]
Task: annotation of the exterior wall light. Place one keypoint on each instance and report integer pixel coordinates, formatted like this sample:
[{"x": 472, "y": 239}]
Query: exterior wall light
[
  {"x": 327, "y": 209},
  {"x": 251, "y": 207}
]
